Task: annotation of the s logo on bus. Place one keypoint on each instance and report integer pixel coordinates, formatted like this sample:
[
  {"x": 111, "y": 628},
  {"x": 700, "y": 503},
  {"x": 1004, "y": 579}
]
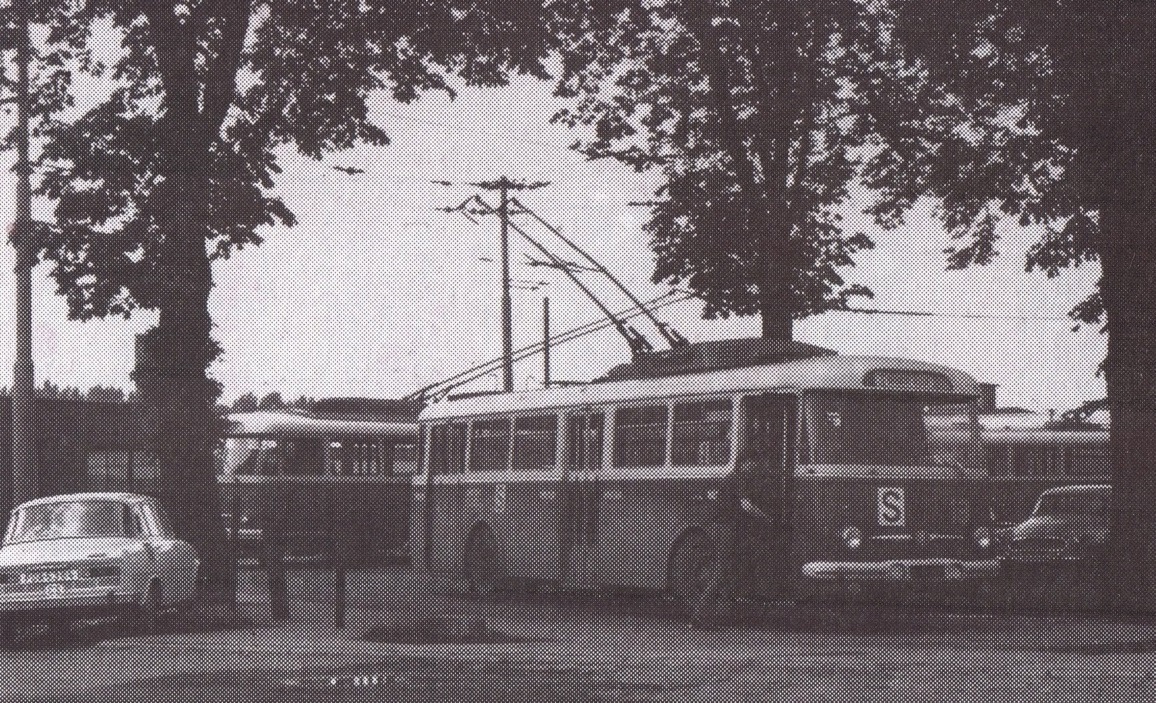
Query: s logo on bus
[{"x": 892, "y": 507}]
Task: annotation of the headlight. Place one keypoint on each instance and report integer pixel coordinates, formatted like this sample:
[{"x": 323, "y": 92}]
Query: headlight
[
  {"x": 852, "y": 537},
  {"x": 982, "y": 537}
]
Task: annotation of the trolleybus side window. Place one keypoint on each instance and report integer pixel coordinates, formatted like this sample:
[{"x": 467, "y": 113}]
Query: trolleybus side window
[
  {"x": 490, "y": 445},
  {"x": 584, "y": 442},
  {"x": 701, "y": 433},
  {"x": 535, "y": 443},
  {"x": 447, "y": 449},
  {"x": 405, "y": 458},
  {"x": 1089, "y": 461},
  {"x": 640, "y": 436},
  {"x": 996, "y": 459},
  {"x": 1030, "y": 461}
]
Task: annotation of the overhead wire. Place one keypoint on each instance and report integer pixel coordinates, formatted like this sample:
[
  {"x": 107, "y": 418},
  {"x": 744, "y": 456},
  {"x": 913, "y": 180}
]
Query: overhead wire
[{"x": 481, "y": 370}]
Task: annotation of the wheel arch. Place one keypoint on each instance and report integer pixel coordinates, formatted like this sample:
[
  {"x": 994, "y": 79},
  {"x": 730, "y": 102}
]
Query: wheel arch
[
  {"x": 480, "y": 526},
  {"x": 680, "y": 539}
]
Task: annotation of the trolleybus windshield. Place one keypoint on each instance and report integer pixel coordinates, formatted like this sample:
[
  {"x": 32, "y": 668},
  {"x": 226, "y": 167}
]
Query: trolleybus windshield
[{"x": 878, "y": 429}]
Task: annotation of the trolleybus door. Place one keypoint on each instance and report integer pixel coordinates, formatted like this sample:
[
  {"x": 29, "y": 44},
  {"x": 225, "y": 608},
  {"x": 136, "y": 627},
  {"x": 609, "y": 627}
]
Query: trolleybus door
[
  {"x": 444, "y": 497},
  {"x": 766, "y": 472},
  {"x": 578, "y": 526}
]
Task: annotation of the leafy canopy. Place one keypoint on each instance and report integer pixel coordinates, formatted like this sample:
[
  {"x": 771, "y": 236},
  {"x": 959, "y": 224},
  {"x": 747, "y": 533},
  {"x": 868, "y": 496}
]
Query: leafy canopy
[
  {"x": 1001, "y": 109},
  {"x": 752, "y": 112},
  {"x": 132, "y": 94}
]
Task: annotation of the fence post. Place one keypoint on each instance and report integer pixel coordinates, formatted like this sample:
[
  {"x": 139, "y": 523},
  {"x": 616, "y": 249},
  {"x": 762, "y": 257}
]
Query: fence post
[{"x": 339, "y": 587}]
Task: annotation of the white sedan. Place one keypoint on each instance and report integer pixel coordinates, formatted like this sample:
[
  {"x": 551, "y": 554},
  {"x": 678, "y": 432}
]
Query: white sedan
[{"x": 89, "y": 555}]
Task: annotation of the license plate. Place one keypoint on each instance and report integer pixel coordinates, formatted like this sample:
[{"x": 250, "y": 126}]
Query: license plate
[
  {"x": 50, "y": 576},
  {"x": 927, "y": 571}
]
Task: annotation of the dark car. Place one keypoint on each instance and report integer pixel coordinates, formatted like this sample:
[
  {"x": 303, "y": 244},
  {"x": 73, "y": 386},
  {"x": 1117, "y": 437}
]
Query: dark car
[{"x": 1069, "y": 527}]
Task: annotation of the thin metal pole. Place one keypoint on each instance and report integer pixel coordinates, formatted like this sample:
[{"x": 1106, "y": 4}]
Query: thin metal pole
[
  {"x": 23, "y": 466},
  {"x": 507, "y": 322},
  {"x": 546, "y": 342},
  {"x": 235, "y": 544}
]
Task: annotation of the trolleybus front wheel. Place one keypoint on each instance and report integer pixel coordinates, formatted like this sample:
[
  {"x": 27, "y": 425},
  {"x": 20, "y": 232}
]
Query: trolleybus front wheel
[
  {"x": 697, "y": 582},
  {"x": 483, "y": 570}
]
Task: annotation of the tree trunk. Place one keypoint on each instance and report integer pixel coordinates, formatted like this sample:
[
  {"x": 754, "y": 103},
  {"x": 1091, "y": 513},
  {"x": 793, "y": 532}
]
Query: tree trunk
[
  {"x": 171, "y": 375},
  {"x": 172, "y": 371},
  {"x": 778, "y": 323},
  {"x": 1128, "y": 215}
]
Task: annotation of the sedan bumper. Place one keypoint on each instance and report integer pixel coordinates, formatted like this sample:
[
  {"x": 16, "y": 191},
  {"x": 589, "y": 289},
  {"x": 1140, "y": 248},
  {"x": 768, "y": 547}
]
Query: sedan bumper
[
  {"x": 91, "y": 602},
  {"x": 902, "y": 570}
]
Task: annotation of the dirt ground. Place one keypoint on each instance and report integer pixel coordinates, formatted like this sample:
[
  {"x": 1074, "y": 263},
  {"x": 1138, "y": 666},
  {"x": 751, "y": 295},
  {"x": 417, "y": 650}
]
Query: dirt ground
[{"x": 410, "y": 639}]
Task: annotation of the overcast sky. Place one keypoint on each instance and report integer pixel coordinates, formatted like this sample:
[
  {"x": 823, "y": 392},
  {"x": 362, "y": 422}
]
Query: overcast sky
[{"x": 374, "y": 293}]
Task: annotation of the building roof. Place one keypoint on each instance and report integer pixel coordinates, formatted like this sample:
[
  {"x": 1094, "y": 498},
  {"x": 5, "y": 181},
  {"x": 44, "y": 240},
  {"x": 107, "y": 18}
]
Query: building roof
[{"x": 824, "y": 372}]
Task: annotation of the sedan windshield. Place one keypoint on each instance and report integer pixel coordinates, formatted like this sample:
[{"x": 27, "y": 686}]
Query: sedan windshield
[
  {"x": 65, "y": 520},
  {"x": 877, "y": 429}
]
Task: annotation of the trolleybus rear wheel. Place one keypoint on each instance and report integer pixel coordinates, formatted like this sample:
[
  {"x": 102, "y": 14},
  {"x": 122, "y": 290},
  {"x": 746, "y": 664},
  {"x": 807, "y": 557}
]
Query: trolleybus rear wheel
[{"x": 484, "y": 574}]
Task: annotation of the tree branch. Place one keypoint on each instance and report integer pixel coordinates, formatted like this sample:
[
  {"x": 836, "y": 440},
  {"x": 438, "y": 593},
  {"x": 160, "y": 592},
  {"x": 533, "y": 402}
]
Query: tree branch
[{"x": 234, "y": 17}]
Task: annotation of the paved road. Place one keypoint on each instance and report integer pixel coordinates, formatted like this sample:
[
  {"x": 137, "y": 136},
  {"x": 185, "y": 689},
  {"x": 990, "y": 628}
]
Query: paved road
[{"x": 412, "y": 640}]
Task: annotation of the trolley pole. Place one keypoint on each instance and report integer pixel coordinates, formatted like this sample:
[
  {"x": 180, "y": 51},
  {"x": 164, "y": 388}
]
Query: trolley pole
[
  {"x": 23, "y": 466},
  {"x": 507, "y": 321},
  {"x": 546, "y": 342},
  {"x": 504, "y": 185}
]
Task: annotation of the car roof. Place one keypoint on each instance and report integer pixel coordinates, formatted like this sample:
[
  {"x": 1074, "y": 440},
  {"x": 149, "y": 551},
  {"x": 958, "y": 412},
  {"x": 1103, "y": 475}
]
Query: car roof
[
  {"x": 1062, "y": 490},
  {"x": 69, "y": 497}
]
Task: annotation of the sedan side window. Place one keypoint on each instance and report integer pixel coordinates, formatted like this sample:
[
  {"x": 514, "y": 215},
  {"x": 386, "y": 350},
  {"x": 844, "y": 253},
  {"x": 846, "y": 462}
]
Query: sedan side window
[
  {"x": 132, "y": 522},
  {"x": 161, "y": 520}
]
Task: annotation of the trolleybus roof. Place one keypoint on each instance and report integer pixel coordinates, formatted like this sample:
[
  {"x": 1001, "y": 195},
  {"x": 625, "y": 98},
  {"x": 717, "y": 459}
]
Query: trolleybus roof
[{"x": 824, "y": 372}]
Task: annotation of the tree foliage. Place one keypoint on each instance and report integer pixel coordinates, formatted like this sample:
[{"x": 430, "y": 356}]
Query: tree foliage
[
  {"x": 1043, "y": 111},
  {"x": 752, "y": 112},
  {"x": 248, "y": 77},
  {"x": 1002, "y": 111},
  {"x": 272, "y": 401},
  {"x": 174, "y": 165},
  {"x": 245, "y": 403}
]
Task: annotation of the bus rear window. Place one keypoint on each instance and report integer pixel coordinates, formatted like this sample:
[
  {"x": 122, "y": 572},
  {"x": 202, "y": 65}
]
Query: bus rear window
[{"x": 640, "y": 436}]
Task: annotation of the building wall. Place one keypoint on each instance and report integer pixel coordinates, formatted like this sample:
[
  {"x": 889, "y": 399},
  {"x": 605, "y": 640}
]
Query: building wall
[{"x": 77, "y": 444}]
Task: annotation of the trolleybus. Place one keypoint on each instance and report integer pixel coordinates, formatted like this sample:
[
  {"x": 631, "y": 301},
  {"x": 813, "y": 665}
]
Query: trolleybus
[
  {"x": 1026, "y": 461},
  {"x": 801, "y": 470},
  {"x": 305, "y": 484}
]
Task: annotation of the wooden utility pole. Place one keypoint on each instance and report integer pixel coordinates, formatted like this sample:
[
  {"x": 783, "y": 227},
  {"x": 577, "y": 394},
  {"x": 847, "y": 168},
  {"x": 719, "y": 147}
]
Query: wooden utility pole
[
  {"x": 507, "y": 315},
  {"x": 504, "y": 185},
  {"x": 23, "y": 464}
]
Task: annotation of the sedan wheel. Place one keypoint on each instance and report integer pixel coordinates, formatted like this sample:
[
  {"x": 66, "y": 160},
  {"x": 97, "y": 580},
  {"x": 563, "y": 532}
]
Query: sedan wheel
[{"x": 149, "y": 610}]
